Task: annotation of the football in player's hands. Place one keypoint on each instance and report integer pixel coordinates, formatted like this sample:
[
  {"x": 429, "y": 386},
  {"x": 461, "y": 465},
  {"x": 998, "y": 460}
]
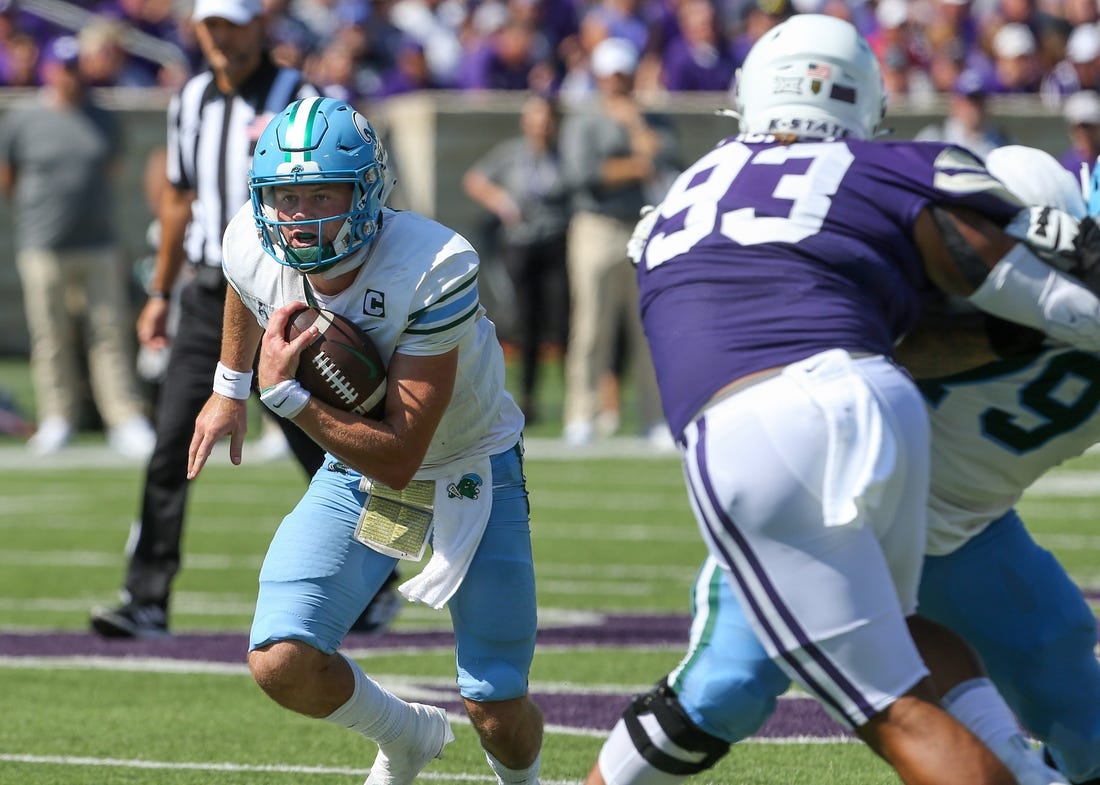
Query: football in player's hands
[{"x": 341, "y": 366}]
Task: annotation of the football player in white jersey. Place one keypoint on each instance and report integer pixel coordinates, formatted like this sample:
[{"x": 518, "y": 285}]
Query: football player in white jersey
[
  {"x": 996, "y": 429},
  {"x": 317, "y": 231}
]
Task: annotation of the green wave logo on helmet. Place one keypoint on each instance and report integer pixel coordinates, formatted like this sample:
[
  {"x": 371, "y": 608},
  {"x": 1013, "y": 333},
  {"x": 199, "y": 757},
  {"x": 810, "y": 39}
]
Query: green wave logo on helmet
[{"x": 319, "y": 140}]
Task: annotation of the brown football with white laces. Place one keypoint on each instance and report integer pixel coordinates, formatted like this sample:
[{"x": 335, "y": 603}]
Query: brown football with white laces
[{"x": 342, "y": 366}]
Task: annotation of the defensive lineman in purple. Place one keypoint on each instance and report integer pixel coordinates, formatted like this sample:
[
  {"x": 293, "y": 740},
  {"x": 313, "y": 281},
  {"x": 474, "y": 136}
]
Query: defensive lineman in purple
[
  {"x": 775, "y": 278},
  {"x": 825, "y": 255}
]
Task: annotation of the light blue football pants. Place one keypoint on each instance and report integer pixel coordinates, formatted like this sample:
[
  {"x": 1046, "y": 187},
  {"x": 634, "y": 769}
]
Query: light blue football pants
[
  {"x": 1009, "y": 598},
  {"x": 316, "y": 579}
]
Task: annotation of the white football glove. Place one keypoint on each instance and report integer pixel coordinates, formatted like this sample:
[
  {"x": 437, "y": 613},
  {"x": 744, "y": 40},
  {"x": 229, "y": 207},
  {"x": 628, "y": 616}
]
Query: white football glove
[
  {"x": 1049, "y": 232},
  {"x": 635, "y": 246},
  {"x": 1061, "y": 241}
]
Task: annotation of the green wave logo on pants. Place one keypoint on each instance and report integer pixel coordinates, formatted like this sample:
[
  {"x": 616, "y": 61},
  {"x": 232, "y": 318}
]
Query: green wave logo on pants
[{"x": 469, "y": 487}]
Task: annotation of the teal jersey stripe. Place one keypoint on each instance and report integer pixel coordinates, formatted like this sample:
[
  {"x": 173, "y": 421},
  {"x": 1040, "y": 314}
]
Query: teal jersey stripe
[
  {"x": 449, "y": 310},
  {"x": 420, "y": 328},
  {"x": 458, "y": 292}
]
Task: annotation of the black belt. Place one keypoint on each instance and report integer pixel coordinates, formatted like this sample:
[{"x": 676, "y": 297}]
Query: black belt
[{"x": 208, "y": 277}]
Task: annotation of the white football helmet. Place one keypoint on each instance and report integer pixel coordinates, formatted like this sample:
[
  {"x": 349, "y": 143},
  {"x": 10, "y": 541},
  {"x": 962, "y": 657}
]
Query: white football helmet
[{"x": 812, "y": 76}]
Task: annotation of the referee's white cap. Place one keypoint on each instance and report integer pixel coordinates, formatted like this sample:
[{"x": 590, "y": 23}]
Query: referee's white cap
[{"x": 239, "y": 12}]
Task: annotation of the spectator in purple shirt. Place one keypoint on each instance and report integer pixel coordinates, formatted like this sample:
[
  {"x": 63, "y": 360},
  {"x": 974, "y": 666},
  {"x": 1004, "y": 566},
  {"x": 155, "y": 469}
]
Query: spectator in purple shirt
[
  {"x": 1016, "y": 65},
  {"x": 19, "y": 61},
  {"x": 758, "y": 18},
  {"x": 620, "y": 19},
  {"x": 506, "y": 61},
  {"x": 410, "y": 72},
  {"x": 699, "y": 58},
  {"x": 1078, "y": 70}
]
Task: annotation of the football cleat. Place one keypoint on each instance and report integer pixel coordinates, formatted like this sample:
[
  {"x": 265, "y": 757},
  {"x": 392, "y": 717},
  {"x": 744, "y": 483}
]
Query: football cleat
[
  {"x": 424, "y": 738},
  {"x": 131, "y": 621}
]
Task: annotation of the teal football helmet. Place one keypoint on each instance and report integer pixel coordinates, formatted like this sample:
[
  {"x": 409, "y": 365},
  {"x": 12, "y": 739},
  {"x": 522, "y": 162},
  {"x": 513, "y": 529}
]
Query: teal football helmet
[{"x": 319, "y": 140}]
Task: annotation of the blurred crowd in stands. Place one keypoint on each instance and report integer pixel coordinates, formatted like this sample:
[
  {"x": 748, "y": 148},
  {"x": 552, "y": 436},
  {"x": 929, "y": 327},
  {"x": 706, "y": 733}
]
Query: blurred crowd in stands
[{"x": 370, "y": 49}]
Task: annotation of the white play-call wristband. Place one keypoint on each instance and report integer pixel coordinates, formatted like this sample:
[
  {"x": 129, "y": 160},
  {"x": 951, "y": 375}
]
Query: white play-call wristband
[
  {"x": 231, "y": 383},
  {"x": 286, "y": 399}
]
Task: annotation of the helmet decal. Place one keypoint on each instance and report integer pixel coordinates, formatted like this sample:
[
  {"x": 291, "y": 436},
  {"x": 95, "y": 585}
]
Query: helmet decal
[{"x": 811, "y": 76}]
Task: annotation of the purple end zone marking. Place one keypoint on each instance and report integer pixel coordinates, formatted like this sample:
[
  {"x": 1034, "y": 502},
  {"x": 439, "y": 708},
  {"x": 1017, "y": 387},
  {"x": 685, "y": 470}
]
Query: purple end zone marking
[
  {"x": 232, "y": 647},
  {"x": 800, "y": 717},
  {"x": 577, "y": 709}
]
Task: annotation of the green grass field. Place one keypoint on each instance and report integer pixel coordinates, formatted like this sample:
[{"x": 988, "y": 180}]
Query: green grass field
[{"x": 612, "y": 535}]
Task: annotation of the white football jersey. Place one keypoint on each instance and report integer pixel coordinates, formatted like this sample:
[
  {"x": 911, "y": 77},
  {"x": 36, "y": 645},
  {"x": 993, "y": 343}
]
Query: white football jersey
[
  {"x": 998, "y": 429},
  {"x": 416, "y": 294}
]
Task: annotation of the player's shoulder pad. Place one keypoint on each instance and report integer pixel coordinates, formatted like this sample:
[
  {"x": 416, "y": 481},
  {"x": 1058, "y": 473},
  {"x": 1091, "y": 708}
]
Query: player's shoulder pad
[
  {"x": 959, "y": 171},
  {"x": 241, "y": 247},
  {"x": 420, "y": 242}
]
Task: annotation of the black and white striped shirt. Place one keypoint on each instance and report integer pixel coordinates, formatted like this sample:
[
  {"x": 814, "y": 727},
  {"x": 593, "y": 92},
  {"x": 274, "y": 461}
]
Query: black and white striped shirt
[{"x": 211, "y": 138}]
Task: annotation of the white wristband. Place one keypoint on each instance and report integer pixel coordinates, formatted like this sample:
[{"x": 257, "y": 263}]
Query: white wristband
[
  {"x": 232, "y": 384},
  {"x": 1022, "y": 289},
  {"x": 286, "y": 399}
]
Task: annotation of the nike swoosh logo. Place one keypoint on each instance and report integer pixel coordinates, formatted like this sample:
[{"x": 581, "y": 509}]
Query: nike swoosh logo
[
  {"x": 281, "y": 401},
  {"x": 229, "y": 378}
]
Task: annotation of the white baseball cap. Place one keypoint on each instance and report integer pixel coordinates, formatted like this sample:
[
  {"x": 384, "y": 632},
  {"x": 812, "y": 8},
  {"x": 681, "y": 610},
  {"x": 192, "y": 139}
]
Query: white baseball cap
[
  {"x": 1014, "y": 40},
  {"x": 1082, "y": 108},
  {"x": 239, "y": 12},
  {"x": 891, "y": 14},
  {"x": 614, "y": 56},
  {"x": 1084, "y": 43}
]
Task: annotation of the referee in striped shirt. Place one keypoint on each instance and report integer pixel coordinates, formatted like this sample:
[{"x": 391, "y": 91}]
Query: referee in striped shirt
[{"x": 213, "y": 125}]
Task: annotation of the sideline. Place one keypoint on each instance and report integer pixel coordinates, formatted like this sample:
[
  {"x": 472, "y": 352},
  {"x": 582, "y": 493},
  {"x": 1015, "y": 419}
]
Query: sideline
[
  {"x": 15, "y": 457},
  {"x": 65, "y": 760}
]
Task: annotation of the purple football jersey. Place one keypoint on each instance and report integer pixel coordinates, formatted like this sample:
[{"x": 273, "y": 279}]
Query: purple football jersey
[{"x": 766, "y": 253}]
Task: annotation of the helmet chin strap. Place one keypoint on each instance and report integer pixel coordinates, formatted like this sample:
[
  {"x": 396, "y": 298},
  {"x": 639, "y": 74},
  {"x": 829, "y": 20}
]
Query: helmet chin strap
[
  {"x": 351, "y": 262},
  {"x": 355, "y": 259}
]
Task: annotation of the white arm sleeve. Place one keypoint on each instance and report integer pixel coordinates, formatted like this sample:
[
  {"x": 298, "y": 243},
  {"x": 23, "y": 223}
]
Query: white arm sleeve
[{"x": 1022, "y": 289}]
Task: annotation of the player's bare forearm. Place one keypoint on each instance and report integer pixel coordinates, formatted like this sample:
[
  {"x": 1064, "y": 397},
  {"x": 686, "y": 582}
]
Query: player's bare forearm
[
  {"x": 391, "y": 450},
  {"x": 241, "y": 333},
  {"x": 959, "y": 247}
]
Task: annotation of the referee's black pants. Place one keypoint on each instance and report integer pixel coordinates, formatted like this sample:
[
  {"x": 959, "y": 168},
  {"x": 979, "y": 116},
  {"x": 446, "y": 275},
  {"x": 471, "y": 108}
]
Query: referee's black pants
[{"x": 196, "y": 349}]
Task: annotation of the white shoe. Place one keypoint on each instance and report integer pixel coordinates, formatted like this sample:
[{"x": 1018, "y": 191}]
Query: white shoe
[
  {"x": 425, "y": 737},
  {"x": 579, "y": 434},
  {"x": 272, "y": 445},
  {"x": 660, "y": 438},
  {"x": 135, "y": 438},
  {"x": 53, "y": 433},
  {"x": 1026, "y": 763},
  {"x": 607, "y": 424}
]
